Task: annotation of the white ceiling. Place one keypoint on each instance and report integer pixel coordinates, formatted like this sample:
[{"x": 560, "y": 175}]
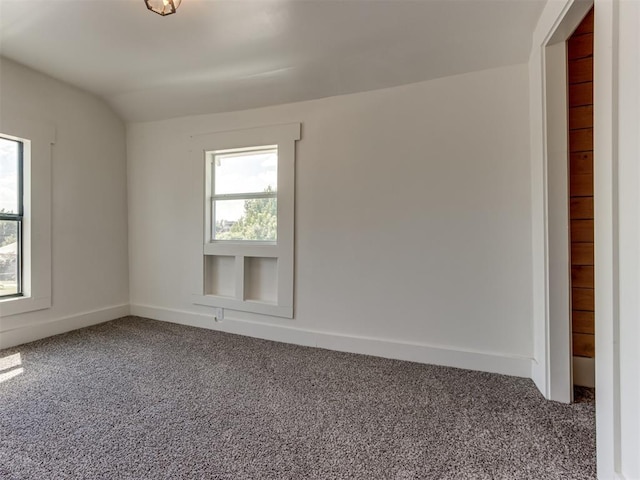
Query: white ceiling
[{"x": 225, "y": 55}]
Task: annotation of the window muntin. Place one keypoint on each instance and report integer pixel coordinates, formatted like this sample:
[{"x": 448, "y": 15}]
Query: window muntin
[
  {"x": 244, "y": 188},
  {"x": 11, "y": 216}
]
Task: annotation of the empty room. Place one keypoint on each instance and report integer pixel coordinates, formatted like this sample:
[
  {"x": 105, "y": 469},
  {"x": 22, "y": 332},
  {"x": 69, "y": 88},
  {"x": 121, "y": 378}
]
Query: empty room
[{"x": 319, "y": 239}]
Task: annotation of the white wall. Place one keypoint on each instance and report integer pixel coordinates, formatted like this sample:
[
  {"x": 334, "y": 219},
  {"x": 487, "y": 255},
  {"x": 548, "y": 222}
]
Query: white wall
[
  {"x": 629, "y": 204},
  {"x": 89, "y": 204},
  {"x": 617, "y": 181},
  {"x": 413, "y": 228}
]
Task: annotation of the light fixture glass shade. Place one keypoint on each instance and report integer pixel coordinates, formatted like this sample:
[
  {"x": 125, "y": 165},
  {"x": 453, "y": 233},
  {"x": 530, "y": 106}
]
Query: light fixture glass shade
[{"x": 163, "y": 7}]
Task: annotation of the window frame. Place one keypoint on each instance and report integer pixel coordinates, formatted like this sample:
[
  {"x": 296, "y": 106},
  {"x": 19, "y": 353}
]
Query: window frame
[
  {"x": 235, "y": 196},
  {"x": 17, "y": 217},
  {"x": 284, "y": 137},
  {"x": 37, "y": 138}
]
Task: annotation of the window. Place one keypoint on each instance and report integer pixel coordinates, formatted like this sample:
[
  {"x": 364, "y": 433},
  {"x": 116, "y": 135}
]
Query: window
[
  {"x": 248, "y": 198},
  {"x": 244, "y": 188},
  {"x": 11, "y": 216},
  {"x": 25, "y": 217}
]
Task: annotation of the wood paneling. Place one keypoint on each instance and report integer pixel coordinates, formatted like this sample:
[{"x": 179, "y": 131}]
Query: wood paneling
[
  {"x": 581, "y": 94},
  {"x": 581, "y": 231},
  {"x": 580, "y": 115},
  {"x": 581, "y": 140},
  {"x": 581, "y": 163},
  {"x": 583, "y": 322},
  {"x": 580, "y": 46},
  {"x": 581, "y": 208},
  {"x": 584, "y": 345},
  {"x": 581, "y": 253},
  {"x": 583, "y": 299},
  {"x": 581, "y": 70},
  {"x": 586, "y": 26},
  {"x": 582, "y": 276},
  {"x": 581, "y": 186}
]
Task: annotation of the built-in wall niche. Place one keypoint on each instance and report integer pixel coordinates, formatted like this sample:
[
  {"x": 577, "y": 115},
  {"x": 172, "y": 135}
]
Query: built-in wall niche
[
  {"x": 219, "y": 275},
  {"x": 261, "y": 279},
  {"x": 253, "y": 279}
]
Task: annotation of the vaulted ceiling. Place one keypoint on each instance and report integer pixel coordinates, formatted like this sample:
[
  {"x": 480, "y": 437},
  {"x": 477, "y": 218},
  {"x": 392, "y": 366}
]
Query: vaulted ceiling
[{"x": 224, "y": 55}]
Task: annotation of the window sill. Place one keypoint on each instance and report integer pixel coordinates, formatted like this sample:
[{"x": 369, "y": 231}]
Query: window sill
[
  {"x": 18, "y": 305},
  {"x": 251, "y": 306}
]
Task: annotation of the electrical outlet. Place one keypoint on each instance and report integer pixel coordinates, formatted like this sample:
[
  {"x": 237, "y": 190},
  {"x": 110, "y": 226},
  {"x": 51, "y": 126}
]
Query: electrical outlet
[{"x": 219, "y": 315}]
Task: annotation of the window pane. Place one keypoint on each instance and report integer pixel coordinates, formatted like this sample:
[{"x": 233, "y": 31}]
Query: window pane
[
  {"x": 246, "y": 172},
  {"x": 8, "y": 257},
  {"x": 251, "y": 219},
  {"x": 9, "y": 164}
]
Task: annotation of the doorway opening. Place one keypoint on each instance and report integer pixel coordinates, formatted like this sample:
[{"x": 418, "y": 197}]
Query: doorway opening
[
  {"x": 581, "y": 188},
  {"x": 557, "y": 138}
]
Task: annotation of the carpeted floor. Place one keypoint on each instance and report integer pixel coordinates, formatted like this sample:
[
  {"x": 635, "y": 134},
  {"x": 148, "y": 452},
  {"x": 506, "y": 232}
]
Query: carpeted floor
[{"x": 140, "y": 399}]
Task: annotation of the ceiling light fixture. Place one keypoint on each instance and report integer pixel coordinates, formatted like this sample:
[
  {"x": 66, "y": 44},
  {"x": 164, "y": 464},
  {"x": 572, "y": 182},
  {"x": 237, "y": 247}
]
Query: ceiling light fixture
[{"x": 163, "y": 7}]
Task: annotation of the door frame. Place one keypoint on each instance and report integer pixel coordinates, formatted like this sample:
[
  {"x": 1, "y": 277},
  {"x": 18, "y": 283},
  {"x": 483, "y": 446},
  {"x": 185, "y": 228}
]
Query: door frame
[
  {"x": 617, "y": 225},
  {"x": 552, "y": 360}
]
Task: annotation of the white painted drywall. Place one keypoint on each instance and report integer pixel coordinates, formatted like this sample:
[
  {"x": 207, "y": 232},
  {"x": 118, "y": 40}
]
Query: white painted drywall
[
  {"x": 413, "y": 220},
  {"x": 221, "y": 56},
  {"x": 89, "y": 204},
  {"x": 617, "y": 262},
  {"x": 629, "y": 250}
]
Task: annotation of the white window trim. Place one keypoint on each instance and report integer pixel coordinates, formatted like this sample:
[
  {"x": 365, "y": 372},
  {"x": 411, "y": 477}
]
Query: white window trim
[
  {"x": 36, "y": 267},
  {"x": 284, "y": 137}
]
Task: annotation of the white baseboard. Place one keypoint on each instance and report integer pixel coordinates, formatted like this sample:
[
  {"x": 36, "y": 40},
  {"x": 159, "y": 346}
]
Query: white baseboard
[
  {"x": 39, "y": 330},
  {"x": 414, "y": 352},
  {"x": 584, "y": 372},
  {"x": 539, "y": 377}
]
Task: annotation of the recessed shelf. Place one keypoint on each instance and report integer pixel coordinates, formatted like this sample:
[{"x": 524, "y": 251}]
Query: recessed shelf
[
  {"x": 261, "y": 280},
  {"x": 219, "y": 275}
]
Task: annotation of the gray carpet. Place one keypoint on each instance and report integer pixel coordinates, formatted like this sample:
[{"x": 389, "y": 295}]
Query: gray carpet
[{"x": 140, "y": 399}]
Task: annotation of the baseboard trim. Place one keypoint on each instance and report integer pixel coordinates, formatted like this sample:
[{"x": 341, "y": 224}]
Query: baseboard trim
[
  {"x": 414, "y": 352},
  {"x": 39, "y": 330},
  {"x": 584, "y": 372},
  {"x": 539, "y": 377}
]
